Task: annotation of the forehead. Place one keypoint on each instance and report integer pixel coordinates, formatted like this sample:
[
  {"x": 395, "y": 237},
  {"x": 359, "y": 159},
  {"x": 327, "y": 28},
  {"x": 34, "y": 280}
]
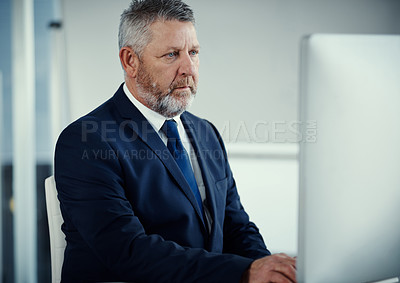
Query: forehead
[{"x": 172, "y": 34}]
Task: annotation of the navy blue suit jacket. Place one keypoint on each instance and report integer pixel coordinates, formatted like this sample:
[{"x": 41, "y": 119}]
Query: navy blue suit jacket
[{"x": 129, "y": 214}]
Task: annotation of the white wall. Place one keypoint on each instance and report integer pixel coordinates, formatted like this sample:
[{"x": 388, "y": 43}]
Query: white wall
[
  {"x": 267, "y": 178},
  {"x": 91, "y": 35},
  {"x": 248, "y": 82},
  {"x": 249, "y": 56}
]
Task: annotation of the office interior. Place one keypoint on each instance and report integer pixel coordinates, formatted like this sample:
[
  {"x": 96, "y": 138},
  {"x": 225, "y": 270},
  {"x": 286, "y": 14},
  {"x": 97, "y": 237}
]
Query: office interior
[{"x": 59, "y": 59}]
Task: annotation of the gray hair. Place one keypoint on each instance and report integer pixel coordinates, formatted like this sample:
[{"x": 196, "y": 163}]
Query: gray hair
[{"x": 134, "y": 27}]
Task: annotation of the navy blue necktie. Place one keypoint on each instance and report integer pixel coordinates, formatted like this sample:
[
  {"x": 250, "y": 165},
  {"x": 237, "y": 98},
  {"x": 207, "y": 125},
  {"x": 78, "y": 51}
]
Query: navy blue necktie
[{"x": 181, "y": 157}]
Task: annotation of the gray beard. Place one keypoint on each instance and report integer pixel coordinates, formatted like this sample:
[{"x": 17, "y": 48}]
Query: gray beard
[{"x": 168, "y": 105}]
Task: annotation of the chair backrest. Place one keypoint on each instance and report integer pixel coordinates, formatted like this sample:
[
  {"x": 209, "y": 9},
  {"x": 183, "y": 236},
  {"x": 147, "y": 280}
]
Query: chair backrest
[{"x": 57, "y": 237}]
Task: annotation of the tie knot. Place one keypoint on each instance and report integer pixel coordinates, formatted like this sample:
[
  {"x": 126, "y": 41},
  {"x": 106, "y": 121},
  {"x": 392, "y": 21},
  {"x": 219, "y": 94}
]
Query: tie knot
[{"x": 170, "y": 129}]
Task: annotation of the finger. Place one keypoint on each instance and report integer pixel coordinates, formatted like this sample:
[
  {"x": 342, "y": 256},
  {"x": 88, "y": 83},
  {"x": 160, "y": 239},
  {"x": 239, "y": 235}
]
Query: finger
[
  {"x": 292, "y": 262},
  {"x": 277, "y": 277},
  {"x": 284, "y": 256},
  {"x": 287, "y": 271},
  {"x": 286, "y": 259}
]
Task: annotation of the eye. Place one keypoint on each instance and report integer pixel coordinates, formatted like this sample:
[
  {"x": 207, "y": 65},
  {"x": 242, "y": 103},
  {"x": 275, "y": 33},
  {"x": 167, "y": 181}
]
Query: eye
[
  {"x": 170, "y": 55},
  {"x": 193, "y": 53}
]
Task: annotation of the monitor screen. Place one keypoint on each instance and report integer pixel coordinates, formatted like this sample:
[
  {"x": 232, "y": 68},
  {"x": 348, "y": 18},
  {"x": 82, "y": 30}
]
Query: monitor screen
[{"x": 349, "y": 218}]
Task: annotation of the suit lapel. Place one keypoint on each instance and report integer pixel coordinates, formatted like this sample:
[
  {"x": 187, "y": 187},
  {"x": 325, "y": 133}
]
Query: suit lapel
[
  {"x": 200, "y": 150},
  {"x": 148, "y": 135}
]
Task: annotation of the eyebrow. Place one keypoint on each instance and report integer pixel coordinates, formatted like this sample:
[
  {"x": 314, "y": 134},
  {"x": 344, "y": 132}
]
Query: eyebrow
[{"x": 197, "y": 46}]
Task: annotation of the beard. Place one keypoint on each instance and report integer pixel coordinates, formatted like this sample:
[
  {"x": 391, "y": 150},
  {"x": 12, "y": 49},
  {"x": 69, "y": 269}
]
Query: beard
[{"x": 170, "y": 102}]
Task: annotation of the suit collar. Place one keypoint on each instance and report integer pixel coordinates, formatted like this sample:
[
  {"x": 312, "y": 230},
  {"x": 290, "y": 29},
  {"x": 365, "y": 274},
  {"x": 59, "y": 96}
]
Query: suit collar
[
  {"x": 125, "y": 107},
  {"x": 155, "y": 119}
]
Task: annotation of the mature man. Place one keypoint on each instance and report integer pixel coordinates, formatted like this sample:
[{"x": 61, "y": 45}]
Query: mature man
[{"x": 146, "y": 191}]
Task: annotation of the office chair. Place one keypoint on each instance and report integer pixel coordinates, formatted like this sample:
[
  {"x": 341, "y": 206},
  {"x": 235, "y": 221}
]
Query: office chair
[{"x": 57, "y": 237}]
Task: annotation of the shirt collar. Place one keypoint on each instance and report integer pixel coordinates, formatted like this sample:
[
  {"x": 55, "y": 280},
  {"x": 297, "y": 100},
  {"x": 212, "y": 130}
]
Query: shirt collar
[{"x": 155, "y": 119}]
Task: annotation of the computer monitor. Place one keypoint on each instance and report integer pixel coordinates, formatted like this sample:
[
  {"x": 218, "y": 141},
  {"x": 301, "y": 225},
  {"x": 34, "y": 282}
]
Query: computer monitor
[{"x": 349, "y": 218}]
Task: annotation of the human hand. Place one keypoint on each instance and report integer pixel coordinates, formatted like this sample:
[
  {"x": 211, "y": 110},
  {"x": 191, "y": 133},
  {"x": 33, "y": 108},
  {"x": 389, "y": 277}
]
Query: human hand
[{"x": 277, "y": 268}]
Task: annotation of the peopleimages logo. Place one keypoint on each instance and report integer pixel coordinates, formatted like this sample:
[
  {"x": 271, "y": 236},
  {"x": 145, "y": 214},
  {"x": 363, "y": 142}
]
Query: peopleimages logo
[
  {"x": 281, "y": 131},
  {"x": 144, "y": 154}
]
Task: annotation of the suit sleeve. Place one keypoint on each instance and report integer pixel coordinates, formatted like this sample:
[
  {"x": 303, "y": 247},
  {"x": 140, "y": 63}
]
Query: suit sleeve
[
  {"x": 90, "y": 185},
  {"x": 241, "y": 236}
]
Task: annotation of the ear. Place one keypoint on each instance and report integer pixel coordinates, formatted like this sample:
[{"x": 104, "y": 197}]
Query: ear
[{"x": 129, "y": 61}]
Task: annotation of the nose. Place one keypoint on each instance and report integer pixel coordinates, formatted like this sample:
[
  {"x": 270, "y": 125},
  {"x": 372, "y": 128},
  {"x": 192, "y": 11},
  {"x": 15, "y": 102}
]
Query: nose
[{"x": 188, "y": 66}]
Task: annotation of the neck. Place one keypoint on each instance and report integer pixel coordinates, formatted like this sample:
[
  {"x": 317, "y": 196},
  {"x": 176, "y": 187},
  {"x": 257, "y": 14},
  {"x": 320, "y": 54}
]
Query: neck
[{"x": 131, "y": 85}]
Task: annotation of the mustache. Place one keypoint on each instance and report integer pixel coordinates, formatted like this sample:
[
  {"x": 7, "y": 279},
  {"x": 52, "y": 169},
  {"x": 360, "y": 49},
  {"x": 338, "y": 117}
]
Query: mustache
[{"x": 188, "y": 81}]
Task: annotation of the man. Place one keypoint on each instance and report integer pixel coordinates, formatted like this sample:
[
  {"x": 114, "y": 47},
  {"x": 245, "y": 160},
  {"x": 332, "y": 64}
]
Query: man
[{"x": 145, "y": 187}]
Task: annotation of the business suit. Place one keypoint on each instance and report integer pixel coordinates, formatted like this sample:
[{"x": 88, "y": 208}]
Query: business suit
[{"x": 129, "y": 213}]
